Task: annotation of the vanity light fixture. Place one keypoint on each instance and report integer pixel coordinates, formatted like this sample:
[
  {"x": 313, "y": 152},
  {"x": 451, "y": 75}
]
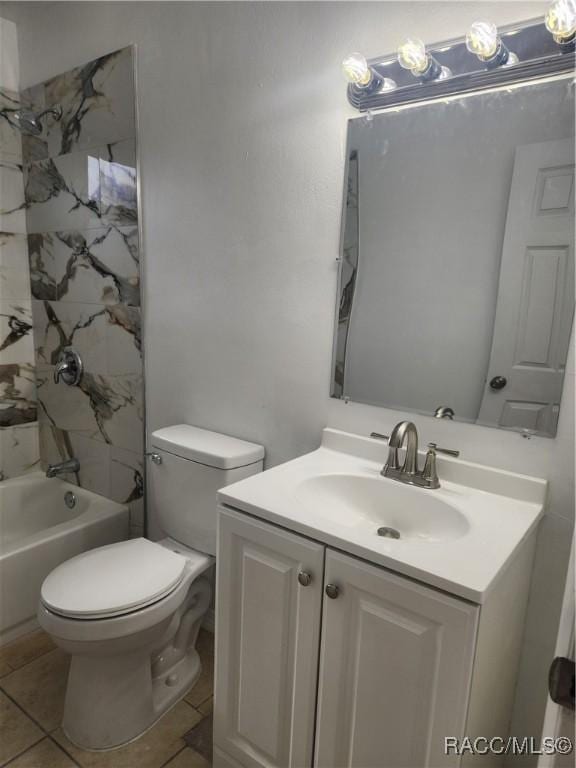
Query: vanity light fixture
[
  {"x": 560, "y": 21},
  {"x": 362, "y": 76},
  {"x": 502, "y": 56},
  {"x": 483, "y": 40},
  {"x": 412, "y": 55}
]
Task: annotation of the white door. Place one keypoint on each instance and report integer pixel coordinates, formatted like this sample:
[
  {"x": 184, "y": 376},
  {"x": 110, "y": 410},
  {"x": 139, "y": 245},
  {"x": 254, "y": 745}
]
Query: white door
[
  {"x": 267, "y": 641},
  {"x": 395, "y": 667},
  {"x": 536, "y": 292},
  {"x": 559, "y": 721}
]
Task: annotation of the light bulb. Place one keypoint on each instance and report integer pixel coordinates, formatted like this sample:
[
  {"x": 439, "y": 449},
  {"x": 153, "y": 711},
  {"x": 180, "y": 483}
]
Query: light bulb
[
  {"x": 356, "y": 69},
  {"x": 561, "y": 20},
  {"x": 412, "y": 55},
  {"x": 482, "y": 39}
]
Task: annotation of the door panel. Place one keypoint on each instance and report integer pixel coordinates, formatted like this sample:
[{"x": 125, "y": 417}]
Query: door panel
[
  {"x": 395, "y": 667},
  {"x": 536, "y": 291},
  {"x": 267, "y": 639},
  {"x": 559, "y": 721}
]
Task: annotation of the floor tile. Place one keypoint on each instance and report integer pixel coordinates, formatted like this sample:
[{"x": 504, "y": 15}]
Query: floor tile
[
  {"x": 206, "y": 707},
  {"x": 204, "y": 686},
  {"x": 152, "y": 750},
  {"x": 188, "y": 758},
  {"x": 17, "y": 732},
  {"x": 5, "y": 668},
  {"x": 205, "y": 644},
  {"x": 39, "y": 688},
  {"x": 25, "y": 649},
  {"x": 46, "y": 754},
  {"x": 199, "y": 738}
]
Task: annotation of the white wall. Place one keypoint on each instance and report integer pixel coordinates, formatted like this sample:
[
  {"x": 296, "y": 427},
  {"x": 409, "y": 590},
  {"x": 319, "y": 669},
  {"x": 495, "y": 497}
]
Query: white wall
[
  {"x": 243, "y": 129},
  {"x": 9, "y": 62}
]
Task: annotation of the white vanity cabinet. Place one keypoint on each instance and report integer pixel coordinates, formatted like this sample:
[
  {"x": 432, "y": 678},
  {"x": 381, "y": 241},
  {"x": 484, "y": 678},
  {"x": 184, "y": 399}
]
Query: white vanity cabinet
[
  {"x": 268, "y": 637},
  {"x": 395, "y": 667},
  {"x": 373, "y": 677}
]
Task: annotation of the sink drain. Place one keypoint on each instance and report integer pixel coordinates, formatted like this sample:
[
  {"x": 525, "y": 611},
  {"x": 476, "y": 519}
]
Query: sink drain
[{"x": 388, "y": 533}]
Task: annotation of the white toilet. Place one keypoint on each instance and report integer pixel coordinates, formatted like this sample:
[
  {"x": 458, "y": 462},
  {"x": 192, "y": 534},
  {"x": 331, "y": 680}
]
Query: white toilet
[{"x": 129, "y": 613}]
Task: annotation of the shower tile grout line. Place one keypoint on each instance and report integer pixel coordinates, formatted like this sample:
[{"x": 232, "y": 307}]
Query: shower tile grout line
[{"x": 77, "y": 151}]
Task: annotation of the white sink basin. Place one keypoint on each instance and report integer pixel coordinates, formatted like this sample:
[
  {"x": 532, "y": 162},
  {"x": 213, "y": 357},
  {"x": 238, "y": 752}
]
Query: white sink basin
[
  {"x": 457, "y": 537},
  {"x": 373, "y": 503}
]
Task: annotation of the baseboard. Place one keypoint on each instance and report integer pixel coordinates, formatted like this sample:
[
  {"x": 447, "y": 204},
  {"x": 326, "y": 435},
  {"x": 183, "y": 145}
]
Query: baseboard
[
  {"x": 13, "y": 633},
  {"x": 209, "y": 623}
]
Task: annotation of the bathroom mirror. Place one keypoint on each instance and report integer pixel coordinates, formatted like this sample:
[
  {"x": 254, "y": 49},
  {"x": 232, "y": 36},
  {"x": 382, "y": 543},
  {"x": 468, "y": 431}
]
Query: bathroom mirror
[{"x": 456, "y": 286}]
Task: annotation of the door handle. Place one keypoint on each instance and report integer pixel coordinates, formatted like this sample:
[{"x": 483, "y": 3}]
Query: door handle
[
  {"x": 498, "y": 382},
  {"x": 561, "y": 682},
  {"x": 332, "y": 590}
]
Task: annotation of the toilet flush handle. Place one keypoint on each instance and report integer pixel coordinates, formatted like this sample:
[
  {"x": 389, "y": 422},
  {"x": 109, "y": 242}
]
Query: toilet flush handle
[{"x": 155, "y": 457}]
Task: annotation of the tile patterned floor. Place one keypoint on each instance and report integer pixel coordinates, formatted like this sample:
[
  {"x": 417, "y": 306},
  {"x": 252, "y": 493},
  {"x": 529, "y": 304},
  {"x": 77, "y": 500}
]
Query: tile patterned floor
[{"x": 32, "y": 686}]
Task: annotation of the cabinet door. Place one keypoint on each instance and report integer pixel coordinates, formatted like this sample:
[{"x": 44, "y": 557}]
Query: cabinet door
[
  {"x": 395, "y": 667},
  {"x": 267, "y": 643}
]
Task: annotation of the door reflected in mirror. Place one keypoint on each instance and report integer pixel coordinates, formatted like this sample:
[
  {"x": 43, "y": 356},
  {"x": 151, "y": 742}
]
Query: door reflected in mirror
[{"x": 456, "y": 287}]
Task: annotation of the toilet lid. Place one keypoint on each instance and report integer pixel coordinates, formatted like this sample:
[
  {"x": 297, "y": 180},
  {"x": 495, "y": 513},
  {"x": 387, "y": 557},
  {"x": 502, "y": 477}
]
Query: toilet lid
[{"x": 113, "y": 580}]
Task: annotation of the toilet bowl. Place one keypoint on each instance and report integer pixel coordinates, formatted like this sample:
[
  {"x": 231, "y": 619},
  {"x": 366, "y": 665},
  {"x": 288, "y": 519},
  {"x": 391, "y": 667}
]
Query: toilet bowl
[{"x": 129, "y": 613}]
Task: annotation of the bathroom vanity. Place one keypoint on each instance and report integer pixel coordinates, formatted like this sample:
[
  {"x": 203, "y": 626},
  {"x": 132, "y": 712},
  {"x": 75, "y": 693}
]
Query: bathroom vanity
[{"x": 343, "y": 647}]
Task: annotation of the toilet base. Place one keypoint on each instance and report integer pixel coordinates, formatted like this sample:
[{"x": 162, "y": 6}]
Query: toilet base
[
  {"x": 112, "y": 699},
  {"x": 94, "y": 730}
]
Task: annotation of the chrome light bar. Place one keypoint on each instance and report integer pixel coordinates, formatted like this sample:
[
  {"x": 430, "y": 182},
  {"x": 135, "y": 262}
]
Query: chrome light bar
[{"x": 538, "y": 55}]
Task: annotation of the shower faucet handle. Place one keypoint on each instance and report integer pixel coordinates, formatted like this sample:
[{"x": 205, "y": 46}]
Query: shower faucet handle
[{"x": 69, "y": 367}]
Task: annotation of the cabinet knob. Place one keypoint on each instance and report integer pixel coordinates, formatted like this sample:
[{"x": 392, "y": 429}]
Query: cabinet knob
[
  {"x": 332, "y": 590},
  {"x": 305, "y": 579}
]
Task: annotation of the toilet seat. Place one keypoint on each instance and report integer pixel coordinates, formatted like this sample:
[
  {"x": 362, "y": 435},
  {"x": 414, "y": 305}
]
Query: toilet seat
[{"x": 114, "y": 580}]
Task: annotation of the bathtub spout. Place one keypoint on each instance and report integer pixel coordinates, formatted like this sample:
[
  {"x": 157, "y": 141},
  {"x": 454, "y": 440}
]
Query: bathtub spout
[{"x": 72, "y": 465}]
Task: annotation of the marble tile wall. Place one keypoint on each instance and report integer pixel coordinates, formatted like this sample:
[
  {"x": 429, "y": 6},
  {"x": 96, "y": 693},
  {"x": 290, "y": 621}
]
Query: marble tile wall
[
  {"x": 18, "y": 406},
  {"x": 82, "y": 225}
]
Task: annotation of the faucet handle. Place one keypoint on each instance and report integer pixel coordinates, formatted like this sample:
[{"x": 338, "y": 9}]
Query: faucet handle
[
  {"x": 69, "y": 367},
  {"x": 447, "y": 451},
  {"x": 60, "y": 369},
  {"x": 429, "y": 471},
  {"x": 379, "y": 436}
]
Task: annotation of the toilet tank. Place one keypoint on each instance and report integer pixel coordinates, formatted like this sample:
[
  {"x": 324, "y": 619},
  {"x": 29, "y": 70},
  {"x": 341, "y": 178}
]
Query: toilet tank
[{"x": 193, "y": 465}]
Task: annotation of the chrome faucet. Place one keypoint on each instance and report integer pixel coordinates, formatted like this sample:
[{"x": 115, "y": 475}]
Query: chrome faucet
[
  {"x": 69, "y": 367},
  {"x": 61, "y": 367},
  {"x": 405, "y": 432},
  {"x": 64, "y": 467}
]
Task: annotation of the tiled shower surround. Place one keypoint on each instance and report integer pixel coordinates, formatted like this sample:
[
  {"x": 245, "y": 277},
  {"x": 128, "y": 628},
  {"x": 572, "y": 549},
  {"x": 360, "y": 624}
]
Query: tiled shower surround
[
  {"x": 82, "y": 225},
  {"x": 18, "y": 407}
]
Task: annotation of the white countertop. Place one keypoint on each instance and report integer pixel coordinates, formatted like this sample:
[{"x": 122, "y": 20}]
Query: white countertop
[{"x": 501, "y": 509}]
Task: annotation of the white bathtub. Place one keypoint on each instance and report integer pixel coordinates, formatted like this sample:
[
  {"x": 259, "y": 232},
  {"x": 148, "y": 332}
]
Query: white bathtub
[{"x": 38, "y": 532}]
